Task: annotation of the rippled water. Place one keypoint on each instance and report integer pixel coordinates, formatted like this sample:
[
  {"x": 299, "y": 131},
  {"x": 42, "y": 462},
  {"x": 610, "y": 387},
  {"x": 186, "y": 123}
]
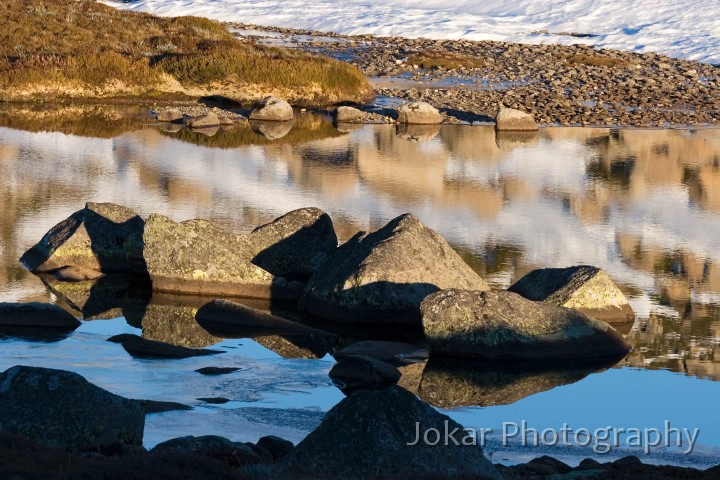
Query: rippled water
[{"x": 642, "y": 204}]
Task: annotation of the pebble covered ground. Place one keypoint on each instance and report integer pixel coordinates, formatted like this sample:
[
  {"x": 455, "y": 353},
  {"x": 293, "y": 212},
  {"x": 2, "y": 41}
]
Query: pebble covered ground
[{"x": 558, "y": 85}]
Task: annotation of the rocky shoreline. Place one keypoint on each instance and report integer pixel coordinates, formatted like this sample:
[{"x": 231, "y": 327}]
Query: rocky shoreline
[{"x": 558, "y": 85}]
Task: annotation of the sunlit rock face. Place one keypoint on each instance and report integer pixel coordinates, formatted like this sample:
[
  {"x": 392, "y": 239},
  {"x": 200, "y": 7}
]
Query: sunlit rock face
[
  {"x": 503, "y": 325},
  {"x": 382, "y": 277}
]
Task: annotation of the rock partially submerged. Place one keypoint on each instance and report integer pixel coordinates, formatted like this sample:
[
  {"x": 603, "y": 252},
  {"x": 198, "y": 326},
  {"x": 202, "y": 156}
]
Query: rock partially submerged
[
  {"x": 144, "y": 348},
  {"x": 36, "y": 315},
  {"x": 294, "y": 245},
  {"x": 207, "y": 120},
  {"x": 62, "y": 409},
  {"x": 91, "y": 238},
  {"x": 504, "y": 325},
  {"x": 171, "y": 115},
  {"x": 509, "y": 119},
  {"x": 382, "y": 277},
  {"x": 235, "y": 320},
  {"x": 371, "y": 434},
  {"x": 355, "y": 372},
  {"x": 199, "y": 257},
  {"x": 585, "y": 288},
  {"x": 419, "y": 113},
  {"x": 346, "y": 114},
  {"x": 272, "y": 108}
]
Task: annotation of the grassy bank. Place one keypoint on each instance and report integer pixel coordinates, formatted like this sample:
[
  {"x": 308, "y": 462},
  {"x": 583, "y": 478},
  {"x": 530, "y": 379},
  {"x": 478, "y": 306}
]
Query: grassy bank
[{"x": 81, "y": 48}]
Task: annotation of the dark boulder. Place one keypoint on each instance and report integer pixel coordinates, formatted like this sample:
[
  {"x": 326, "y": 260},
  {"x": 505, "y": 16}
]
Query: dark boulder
[
  {"x": 354, "y": 373},
  {"x": 62, "y": 409},
  {"x": 504, "y": 325},
  {"x": 367, "y": 435},
  {"x": 218, "y": 448},
  {"x": 144, "y": 348},
  {"x": 394, "y": 353},
  {"x": 36, "y": 315},
  {"x": 217, "y": 370},
  {"x": 276, "y": 446},
  {"x": 382, "y": 277},
  {"x": 584, "y": 288},
  {"x": 90, "y": 239}
]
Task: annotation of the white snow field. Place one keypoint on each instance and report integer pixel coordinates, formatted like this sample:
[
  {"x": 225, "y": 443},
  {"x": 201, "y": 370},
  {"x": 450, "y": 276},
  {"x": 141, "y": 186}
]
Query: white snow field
[{"x": 687, "y": 29}]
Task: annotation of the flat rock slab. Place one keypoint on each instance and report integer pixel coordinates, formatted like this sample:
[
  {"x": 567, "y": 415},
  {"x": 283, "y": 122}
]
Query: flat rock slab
[
  {"x": 217, "y": 370},
  {"x": 36, "y": 315},
  {"x": 585, "y": 288},
  {"x": 62, "y": 409},
  {"x": 381, "y": 277},
  {"x": 91, "y": 239},
  {"x": 144, "y": 348},
  {"x": 503, "y": 325}
]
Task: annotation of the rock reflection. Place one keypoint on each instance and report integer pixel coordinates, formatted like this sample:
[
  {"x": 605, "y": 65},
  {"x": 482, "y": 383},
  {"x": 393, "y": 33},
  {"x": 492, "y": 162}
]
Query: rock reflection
[
  {"x": 417, "y": 133},
  {"x": 449, "y": 383},
  {"x": 271, "y": 130},
  {"x": 510, "y": 140}
]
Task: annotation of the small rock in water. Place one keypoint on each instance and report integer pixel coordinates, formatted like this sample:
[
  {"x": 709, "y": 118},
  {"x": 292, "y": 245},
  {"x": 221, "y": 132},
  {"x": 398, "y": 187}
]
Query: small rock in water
[
  {"x": 510, "y": 119},
  {"x": 36, "y": 315},
  {"x": 272, "y": 108},
  {"x": 217, "y": 370}
]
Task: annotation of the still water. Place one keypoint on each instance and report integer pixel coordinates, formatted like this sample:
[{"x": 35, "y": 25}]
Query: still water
[{"x": 642, "y": 204}]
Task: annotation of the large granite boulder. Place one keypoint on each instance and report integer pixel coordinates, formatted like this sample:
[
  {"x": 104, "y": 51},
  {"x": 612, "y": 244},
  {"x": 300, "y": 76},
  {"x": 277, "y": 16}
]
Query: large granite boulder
[
  {"x": 585, "y": 288},
  {"x": 272, "y": 108},
  {"x": 382, "y": 277},
  {"x": 294, "y": 245},
  {"x": 504, "y": 325},
  {"x": 198, "y": 257},
  {"x": 419, "y": 113},
  {"x": 62, "y": 409},
  {"x": 36, "y": 315},
  {"x": 91, "y": 238},
  {"x": 372, "y": 434},
  {"x": 509, "y": 119}
]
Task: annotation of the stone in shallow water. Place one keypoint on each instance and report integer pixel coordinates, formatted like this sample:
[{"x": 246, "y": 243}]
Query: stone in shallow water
[
  {"x": 585, "y": 288},
  {"x": 504, "y": 325},
  {"x": 367, "y": 434},
  {"x": 272, "y": 108},
  {"x": 36, "y": 315},
  {"x": 382, "y": 277},
  {"x": 354, "y": 373},
  {"x": 419, "y": 113},
  {"x": 144, "y": 348},
  {"x": 62, "y": 409},
  {"x": 509, "y": 119}
]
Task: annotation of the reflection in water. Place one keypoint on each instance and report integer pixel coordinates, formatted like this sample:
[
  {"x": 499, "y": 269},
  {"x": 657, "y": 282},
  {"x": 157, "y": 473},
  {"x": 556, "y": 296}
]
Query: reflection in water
[
  {"x": 449, "y": 383},
  {"x": 642, "y": 204}
]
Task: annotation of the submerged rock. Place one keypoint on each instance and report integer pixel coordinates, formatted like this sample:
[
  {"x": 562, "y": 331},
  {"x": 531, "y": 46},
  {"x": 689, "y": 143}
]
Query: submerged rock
[
  {"x": 272, "y": 108},
  {"x": 382, "y": 277},
  {"x": 504, "y": 325},
  {"x": 509, "y": 119},
  {"x": 354, "y": 373},
  {"x": 235, "y": 320},
  {"x": 217, "y": 370},
  {"x": 294, "y": 245},
  {"x": 170, "y": 115},
  {"x": 36, "y": 315},
  {"x": 371, "y": 434},
  {"x": 419, "y": 113},
  {"x": 199, "y": 257},
  {"x": 62, "y": 409},
  {"x": 144, "y": 348},
  {"x": 91, "y": 239},
  {"x": 584, "y": 288}
]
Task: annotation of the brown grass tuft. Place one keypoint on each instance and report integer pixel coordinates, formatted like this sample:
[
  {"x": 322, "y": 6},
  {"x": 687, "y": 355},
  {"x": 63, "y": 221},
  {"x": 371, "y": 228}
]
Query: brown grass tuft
[
  {"x": 448, "y": 61},
  {"x": 85, "y": 48},
  {"x": 597, "y": 60}
]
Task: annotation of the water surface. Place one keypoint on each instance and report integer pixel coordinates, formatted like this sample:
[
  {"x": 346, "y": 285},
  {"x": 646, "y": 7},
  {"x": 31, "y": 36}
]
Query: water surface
[{"x": 642, "y": 204}]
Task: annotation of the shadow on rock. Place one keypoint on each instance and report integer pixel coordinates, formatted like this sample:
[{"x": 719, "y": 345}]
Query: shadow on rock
[{"x": 454, "y": 382}]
